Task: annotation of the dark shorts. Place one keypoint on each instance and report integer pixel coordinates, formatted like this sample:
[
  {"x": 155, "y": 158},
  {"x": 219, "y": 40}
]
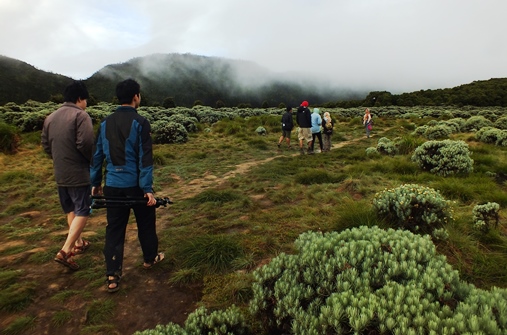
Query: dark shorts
[
  {"x": 75, "y": 199},
  {"x": 286, "y": 133}
]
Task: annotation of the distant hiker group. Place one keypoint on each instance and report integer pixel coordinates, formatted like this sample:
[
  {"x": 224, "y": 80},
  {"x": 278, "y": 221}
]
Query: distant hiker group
[{"x": 311, "y": 126}]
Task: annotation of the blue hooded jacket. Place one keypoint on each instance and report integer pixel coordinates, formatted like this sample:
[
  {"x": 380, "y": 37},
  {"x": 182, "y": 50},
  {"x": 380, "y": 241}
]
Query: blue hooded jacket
[
  {"x": 316, "y": 121},
  {"x": 124, "y": 141}
]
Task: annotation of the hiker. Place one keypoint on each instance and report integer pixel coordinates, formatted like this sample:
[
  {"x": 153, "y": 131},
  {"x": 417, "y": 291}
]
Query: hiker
[
  {"x": 316, "y": 131},
  {"x": 367, "y": 122},
  {"x": 304, "y": 121},
  {"x": 327, "y": 126},
  {"x": 287, "y": 125},
  {"x": 124, "y": 142},
  {"x": 67, "y": 136}
]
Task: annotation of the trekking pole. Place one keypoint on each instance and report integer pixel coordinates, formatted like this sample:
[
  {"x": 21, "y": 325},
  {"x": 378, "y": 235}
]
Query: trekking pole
[{"x": 99, "y": 201}]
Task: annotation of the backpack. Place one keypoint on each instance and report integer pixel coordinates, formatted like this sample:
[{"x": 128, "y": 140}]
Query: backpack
[{"x": 329, "y": 125}]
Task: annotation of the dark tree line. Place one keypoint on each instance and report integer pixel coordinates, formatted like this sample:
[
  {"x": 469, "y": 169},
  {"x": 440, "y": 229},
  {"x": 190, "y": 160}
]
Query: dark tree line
[{"x": 492, "y": 92}]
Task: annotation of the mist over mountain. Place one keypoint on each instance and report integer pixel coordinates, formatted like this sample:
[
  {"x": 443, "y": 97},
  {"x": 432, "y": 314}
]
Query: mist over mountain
[{"x": 186, "y": 78}]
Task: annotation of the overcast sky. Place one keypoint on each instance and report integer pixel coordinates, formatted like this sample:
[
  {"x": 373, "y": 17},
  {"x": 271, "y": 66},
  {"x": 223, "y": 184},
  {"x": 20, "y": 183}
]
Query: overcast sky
[{"x": 393, "y": 45}]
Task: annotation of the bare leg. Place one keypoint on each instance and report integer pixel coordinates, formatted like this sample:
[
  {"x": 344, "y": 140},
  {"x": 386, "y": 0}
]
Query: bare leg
[{"x": 76, "y": 226}]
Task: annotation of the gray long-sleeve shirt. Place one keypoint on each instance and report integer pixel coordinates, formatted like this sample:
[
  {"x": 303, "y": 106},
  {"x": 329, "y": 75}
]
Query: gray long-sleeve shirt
[{"x": 67, "y": 136}]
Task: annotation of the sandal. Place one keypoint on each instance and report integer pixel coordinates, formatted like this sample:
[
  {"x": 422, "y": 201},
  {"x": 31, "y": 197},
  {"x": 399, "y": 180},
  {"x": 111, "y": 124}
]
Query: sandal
[
  {"x": 66, "y": 259},
  {"x": 115, "y": 281},
  {"x": 158, "y": 259},
  {"x": 82, "y": 248}
]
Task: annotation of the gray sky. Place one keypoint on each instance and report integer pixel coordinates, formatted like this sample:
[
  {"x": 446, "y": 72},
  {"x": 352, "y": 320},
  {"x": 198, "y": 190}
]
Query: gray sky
[{"x": 393, "y": 45}]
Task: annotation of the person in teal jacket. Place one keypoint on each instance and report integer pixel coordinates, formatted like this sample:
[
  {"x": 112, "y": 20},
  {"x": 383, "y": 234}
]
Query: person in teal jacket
[{"x": 316, "y": 131}]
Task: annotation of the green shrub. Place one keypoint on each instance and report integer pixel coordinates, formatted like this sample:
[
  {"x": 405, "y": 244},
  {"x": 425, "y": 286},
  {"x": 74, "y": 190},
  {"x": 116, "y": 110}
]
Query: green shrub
[
  {"x": 444, "y": 157},
  {"x": 413, "y": 207},
  {"x": 371, "y": 281},
  {"x": 201, "y": 321},
  {"x": 484, "y": 216},
  {"x": 386, "y": 147},
  {"x": 476, "y": 122},
  {"x": 492, "y": 135},
  {"x": 372, "y": 151},
  {"x": 190, "y": 123},
  {"x": 420, "y": 131},
  {"x": 458, "y": 123},
  {"x": 33, "y": 121},
  {"x": 260, "y": 130},
  {"x": 438, "y": 131},
  {"x": 169, "y": 132},
  {"x": 9, "y": 138},
  {"x": 501, "y": 123}
]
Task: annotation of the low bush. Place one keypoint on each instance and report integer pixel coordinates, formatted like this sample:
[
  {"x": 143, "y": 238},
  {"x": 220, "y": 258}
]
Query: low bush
[
  {"x": 370, "y": 280},
  {"x": 492, "y": 135},
  {"x": 444, "y": 157},
  {"x": 486, "y": 215},
  {"x": 438, "y": 131},
  {"x": 190, "y": 123},
  {"x": 202, "y": 321},
  {"x": 413, "y": 207},
  {"x": 501, "y": 123},
  {"x": 475, "y": 123},
  {"x": 9, "y": 138},
  {"x": 372, "y": 151},
  {"x": 169, "y": 132},
  {"x": 386, "y": 146}
]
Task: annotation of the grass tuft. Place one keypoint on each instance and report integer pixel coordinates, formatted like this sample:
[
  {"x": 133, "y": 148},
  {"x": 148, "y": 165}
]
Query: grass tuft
[
  {"x": 209, "y": 253},
  {"x": 218, "y": 197},
  {"x": 60, "y": 318},
  {"x": 100, "y": 311},
  {"x": 20, "y": 325}
]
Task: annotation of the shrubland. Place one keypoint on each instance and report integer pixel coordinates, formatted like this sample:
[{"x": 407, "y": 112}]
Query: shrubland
[{"x": 377, "y": 236}]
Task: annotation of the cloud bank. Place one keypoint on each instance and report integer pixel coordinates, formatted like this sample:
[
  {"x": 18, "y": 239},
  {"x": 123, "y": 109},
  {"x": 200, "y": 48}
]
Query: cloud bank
[{"x": 393, "y": 45}]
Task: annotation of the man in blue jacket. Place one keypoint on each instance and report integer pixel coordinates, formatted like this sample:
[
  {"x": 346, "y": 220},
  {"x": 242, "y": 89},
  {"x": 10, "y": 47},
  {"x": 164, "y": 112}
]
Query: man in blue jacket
[{"x": 124, "y": 142}]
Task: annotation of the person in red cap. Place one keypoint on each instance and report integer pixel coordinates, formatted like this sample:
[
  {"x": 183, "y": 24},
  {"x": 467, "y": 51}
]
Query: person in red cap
[{"x": 304, "y": 121}]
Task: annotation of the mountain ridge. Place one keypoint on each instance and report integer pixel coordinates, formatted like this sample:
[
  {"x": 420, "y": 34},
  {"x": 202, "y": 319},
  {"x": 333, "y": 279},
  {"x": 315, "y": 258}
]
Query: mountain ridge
[{"x": 187, "y": 79}]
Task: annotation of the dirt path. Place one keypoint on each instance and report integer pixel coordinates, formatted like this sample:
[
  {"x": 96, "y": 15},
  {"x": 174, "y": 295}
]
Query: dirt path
[{"x": 198, "y": 185}]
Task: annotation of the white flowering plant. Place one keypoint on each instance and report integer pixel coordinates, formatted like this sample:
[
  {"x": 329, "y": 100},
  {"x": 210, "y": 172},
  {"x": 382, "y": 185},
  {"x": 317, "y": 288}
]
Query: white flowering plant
[
  {"x": 413, "y": 207},
  {"x": 444, "y": 158}
]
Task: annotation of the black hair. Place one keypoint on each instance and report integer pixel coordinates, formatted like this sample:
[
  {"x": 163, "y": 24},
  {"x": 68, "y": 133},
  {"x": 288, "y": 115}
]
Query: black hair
[
  {"x": 126, "y": 90},
  {"x": 74, "y": 91},
  {"x": 289, "y": 109}
]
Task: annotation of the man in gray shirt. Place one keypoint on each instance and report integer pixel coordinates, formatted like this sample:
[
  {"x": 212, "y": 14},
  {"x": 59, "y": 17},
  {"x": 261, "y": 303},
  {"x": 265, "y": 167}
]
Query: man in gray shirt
[{"x": 67, "y": 136}]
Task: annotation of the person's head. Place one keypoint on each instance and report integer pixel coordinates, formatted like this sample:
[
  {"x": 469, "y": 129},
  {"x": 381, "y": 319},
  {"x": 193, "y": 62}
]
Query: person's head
[
  {"x": 76, "y": 93},
  {"x": 367, "y": 111},
  {"x": 316, "y": 111},
  {"x": 327, "y": 115},
  {"x": 128, "y": 92},
  {"x": 289, "y": 109},
  {"x": 304, "y": 103}
]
